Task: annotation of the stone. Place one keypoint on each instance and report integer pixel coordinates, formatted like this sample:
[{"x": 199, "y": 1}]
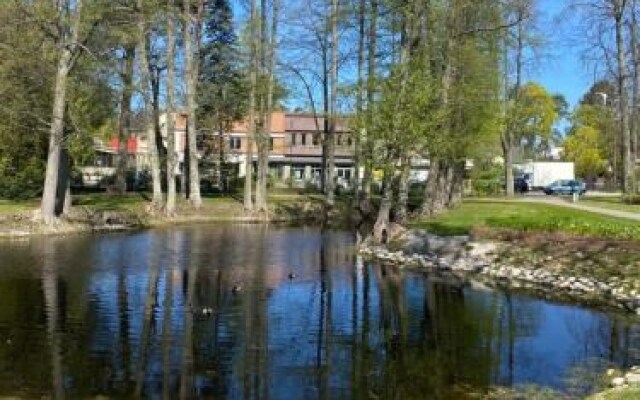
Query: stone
[
  {"x": 611, "y": 371},
  {"x": 632, "y": 378},
  {"x": 478, "y": 249},
  {"x": 616, "y": 382}
]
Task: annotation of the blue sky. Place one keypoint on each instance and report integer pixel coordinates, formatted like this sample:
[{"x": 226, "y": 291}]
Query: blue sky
[{"x": 560, "y": 70}]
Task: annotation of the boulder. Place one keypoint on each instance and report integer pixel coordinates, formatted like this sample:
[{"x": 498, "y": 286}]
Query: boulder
[
  {"x": 617, "y": 382},
  {"x": 632, "y": 378},
  {"x": 481, "y": 249}
]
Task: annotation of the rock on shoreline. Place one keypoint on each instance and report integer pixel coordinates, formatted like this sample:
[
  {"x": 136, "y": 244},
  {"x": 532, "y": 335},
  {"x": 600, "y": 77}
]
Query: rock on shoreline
[{"x": 484, "y": 261}]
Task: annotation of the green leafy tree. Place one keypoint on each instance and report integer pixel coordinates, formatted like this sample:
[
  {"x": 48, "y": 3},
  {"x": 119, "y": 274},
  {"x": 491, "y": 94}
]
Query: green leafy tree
[
  {"x": 533, "y": 117},
  {"x": 583, "y": 147},
  {"x": 588, "y": 143}
]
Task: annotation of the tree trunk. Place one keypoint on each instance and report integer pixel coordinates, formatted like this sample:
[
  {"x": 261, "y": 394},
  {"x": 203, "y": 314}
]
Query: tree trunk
[
  {"x": 627, "y": 167},
  {"x": 371, "y": 86},
  {"x": 155, "y": 78},
  {"x": 151, "y": 109},
  {"x": 403, "y": 191},
  {"x": 251, "y": 123},
  {"x": 192, "y": 50},
  {"x": 456, "y": 184},
  {"x": 326, "y": 111},
  {"x": 507, "y": 152},
  {"x": 262, "y": 136},
  {"x": 271, "y": 55},
  {"x": 171, "y": 114},
  {"x": 68, "y": 201},
  {"x": 68, "y": 52},
  {"x": 49, "y": 195},
  {"x": 331, "y": 140},
  {"x": 635, "y": 54},
  {"x": 381, "y": 227},
  {"x": 439, "y": 188},
  {"x": 63, "y": 192},
  {"x": 440, "y": 197},
  {"x": 124, "y": 122},
  {"x": 359, "y": 136},
  {"x": 507, "y": 139}
]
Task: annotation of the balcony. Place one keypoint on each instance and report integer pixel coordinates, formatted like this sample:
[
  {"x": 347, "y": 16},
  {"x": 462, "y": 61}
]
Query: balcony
[{"x": 316, "y": 151}]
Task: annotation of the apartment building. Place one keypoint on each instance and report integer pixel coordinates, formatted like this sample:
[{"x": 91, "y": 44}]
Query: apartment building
[{"x": 295, "y": 150}]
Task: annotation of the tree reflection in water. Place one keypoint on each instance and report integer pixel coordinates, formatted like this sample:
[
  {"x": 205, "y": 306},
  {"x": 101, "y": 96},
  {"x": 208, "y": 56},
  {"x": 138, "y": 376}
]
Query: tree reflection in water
[{"x": 211, "y": 312}]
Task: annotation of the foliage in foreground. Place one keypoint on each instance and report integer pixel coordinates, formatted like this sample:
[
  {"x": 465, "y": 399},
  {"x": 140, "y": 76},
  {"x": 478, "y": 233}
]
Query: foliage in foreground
[{"x": 528, "y": 217}]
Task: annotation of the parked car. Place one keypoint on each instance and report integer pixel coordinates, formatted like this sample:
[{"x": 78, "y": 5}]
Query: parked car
[{"x": 566, "y": 186}]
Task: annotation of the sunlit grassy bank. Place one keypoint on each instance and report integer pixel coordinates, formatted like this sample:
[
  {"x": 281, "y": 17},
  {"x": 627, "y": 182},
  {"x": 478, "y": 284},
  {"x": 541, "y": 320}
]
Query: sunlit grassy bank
[{"x": 523, "y": 216}]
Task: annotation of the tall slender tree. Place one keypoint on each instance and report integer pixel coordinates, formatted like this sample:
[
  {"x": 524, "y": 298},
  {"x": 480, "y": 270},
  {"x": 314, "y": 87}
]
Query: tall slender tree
[
  {"x": 251, "y": 123},
  {"x": 149, "y": 108},
  {"x": 619, "y": 8},
  {"x": 170, "y": 113},
  {"x": 192, "y": 42},
  {"x": 68, "y": 21},
  {"x": 331, "y": 139},
  {"x": 124, "y": 121}
]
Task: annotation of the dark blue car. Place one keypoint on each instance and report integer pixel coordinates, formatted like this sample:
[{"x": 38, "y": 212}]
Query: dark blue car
[{"x": 566, "y": 186}]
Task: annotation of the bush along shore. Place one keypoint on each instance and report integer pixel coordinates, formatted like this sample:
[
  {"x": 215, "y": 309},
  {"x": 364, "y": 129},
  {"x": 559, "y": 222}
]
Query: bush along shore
[{"x": 595, "y": 271}]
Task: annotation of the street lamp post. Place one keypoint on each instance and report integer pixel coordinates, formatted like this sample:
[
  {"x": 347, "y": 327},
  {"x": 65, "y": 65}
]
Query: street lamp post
[{"x": 605, "y": 97}]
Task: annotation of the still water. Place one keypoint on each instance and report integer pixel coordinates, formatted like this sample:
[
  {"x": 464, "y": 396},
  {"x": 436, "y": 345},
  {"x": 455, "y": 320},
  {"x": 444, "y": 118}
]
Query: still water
[{"x": 255, "y": 312}]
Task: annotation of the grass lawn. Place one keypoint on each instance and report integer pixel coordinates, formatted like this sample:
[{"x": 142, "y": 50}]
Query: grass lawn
[
  {"x": 138, "y": 202},
  {"x": 8, "y": 207},
  {"x": 112, "y": 202},
  {"x": 528, "y": 217},
  {"x": 613, "y": 203}
]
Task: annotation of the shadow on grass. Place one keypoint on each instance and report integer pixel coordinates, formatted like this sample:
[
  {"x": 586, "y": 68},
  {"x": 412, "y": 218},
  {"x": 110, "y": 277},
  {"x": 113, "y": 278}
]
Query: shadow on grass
[
  {"x": 445, "y": 229},
  {"x": 112, "y": 202}
]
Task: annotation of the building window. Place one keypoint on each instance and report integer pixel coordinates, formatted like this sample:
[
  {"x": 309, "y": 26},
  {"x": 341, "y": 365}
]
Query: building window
[
  {"x": 270, "y": 144},
  {"x": 304, "y": 139},
  {"x": 297, "y": 173},
  {"x": 293, "y": 139},
  {"x": 235, "y": 143},
  {"x": 316, "y": 139}
]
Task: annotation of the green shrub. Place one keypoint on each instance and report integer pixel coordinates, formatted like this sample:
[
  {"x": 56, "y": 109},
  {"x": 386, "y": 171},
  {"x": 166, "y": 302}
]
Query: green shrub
[
  {"x": 23, "y": 183},
  {"x": 486, "y": 187},
  {"x": 487, "y": 180}
]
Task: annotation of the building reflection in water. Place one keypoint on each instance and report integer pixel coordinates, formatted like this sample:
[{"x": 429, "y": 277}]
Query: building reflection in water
[{"x": 256, "y": 312}]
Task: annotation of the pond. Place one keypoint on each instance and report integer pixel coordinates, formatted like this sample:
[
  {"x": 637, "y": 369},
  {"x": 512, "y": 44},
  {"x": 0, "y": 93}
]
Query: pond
[{"x": 247, "y": 311}]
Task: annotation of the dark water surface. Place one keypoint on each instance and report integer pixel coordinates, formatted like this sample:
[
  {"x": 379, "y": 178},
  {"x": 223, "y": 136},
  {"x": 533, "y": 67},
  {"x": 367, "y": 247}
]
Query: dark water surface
[{"x": 212, "y": 312}]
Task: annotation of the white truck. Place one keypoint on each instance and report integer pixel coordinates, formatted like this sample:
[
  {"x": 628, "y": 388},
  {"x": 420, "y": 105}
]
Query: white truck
[{"x": 538, "y": 174}]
